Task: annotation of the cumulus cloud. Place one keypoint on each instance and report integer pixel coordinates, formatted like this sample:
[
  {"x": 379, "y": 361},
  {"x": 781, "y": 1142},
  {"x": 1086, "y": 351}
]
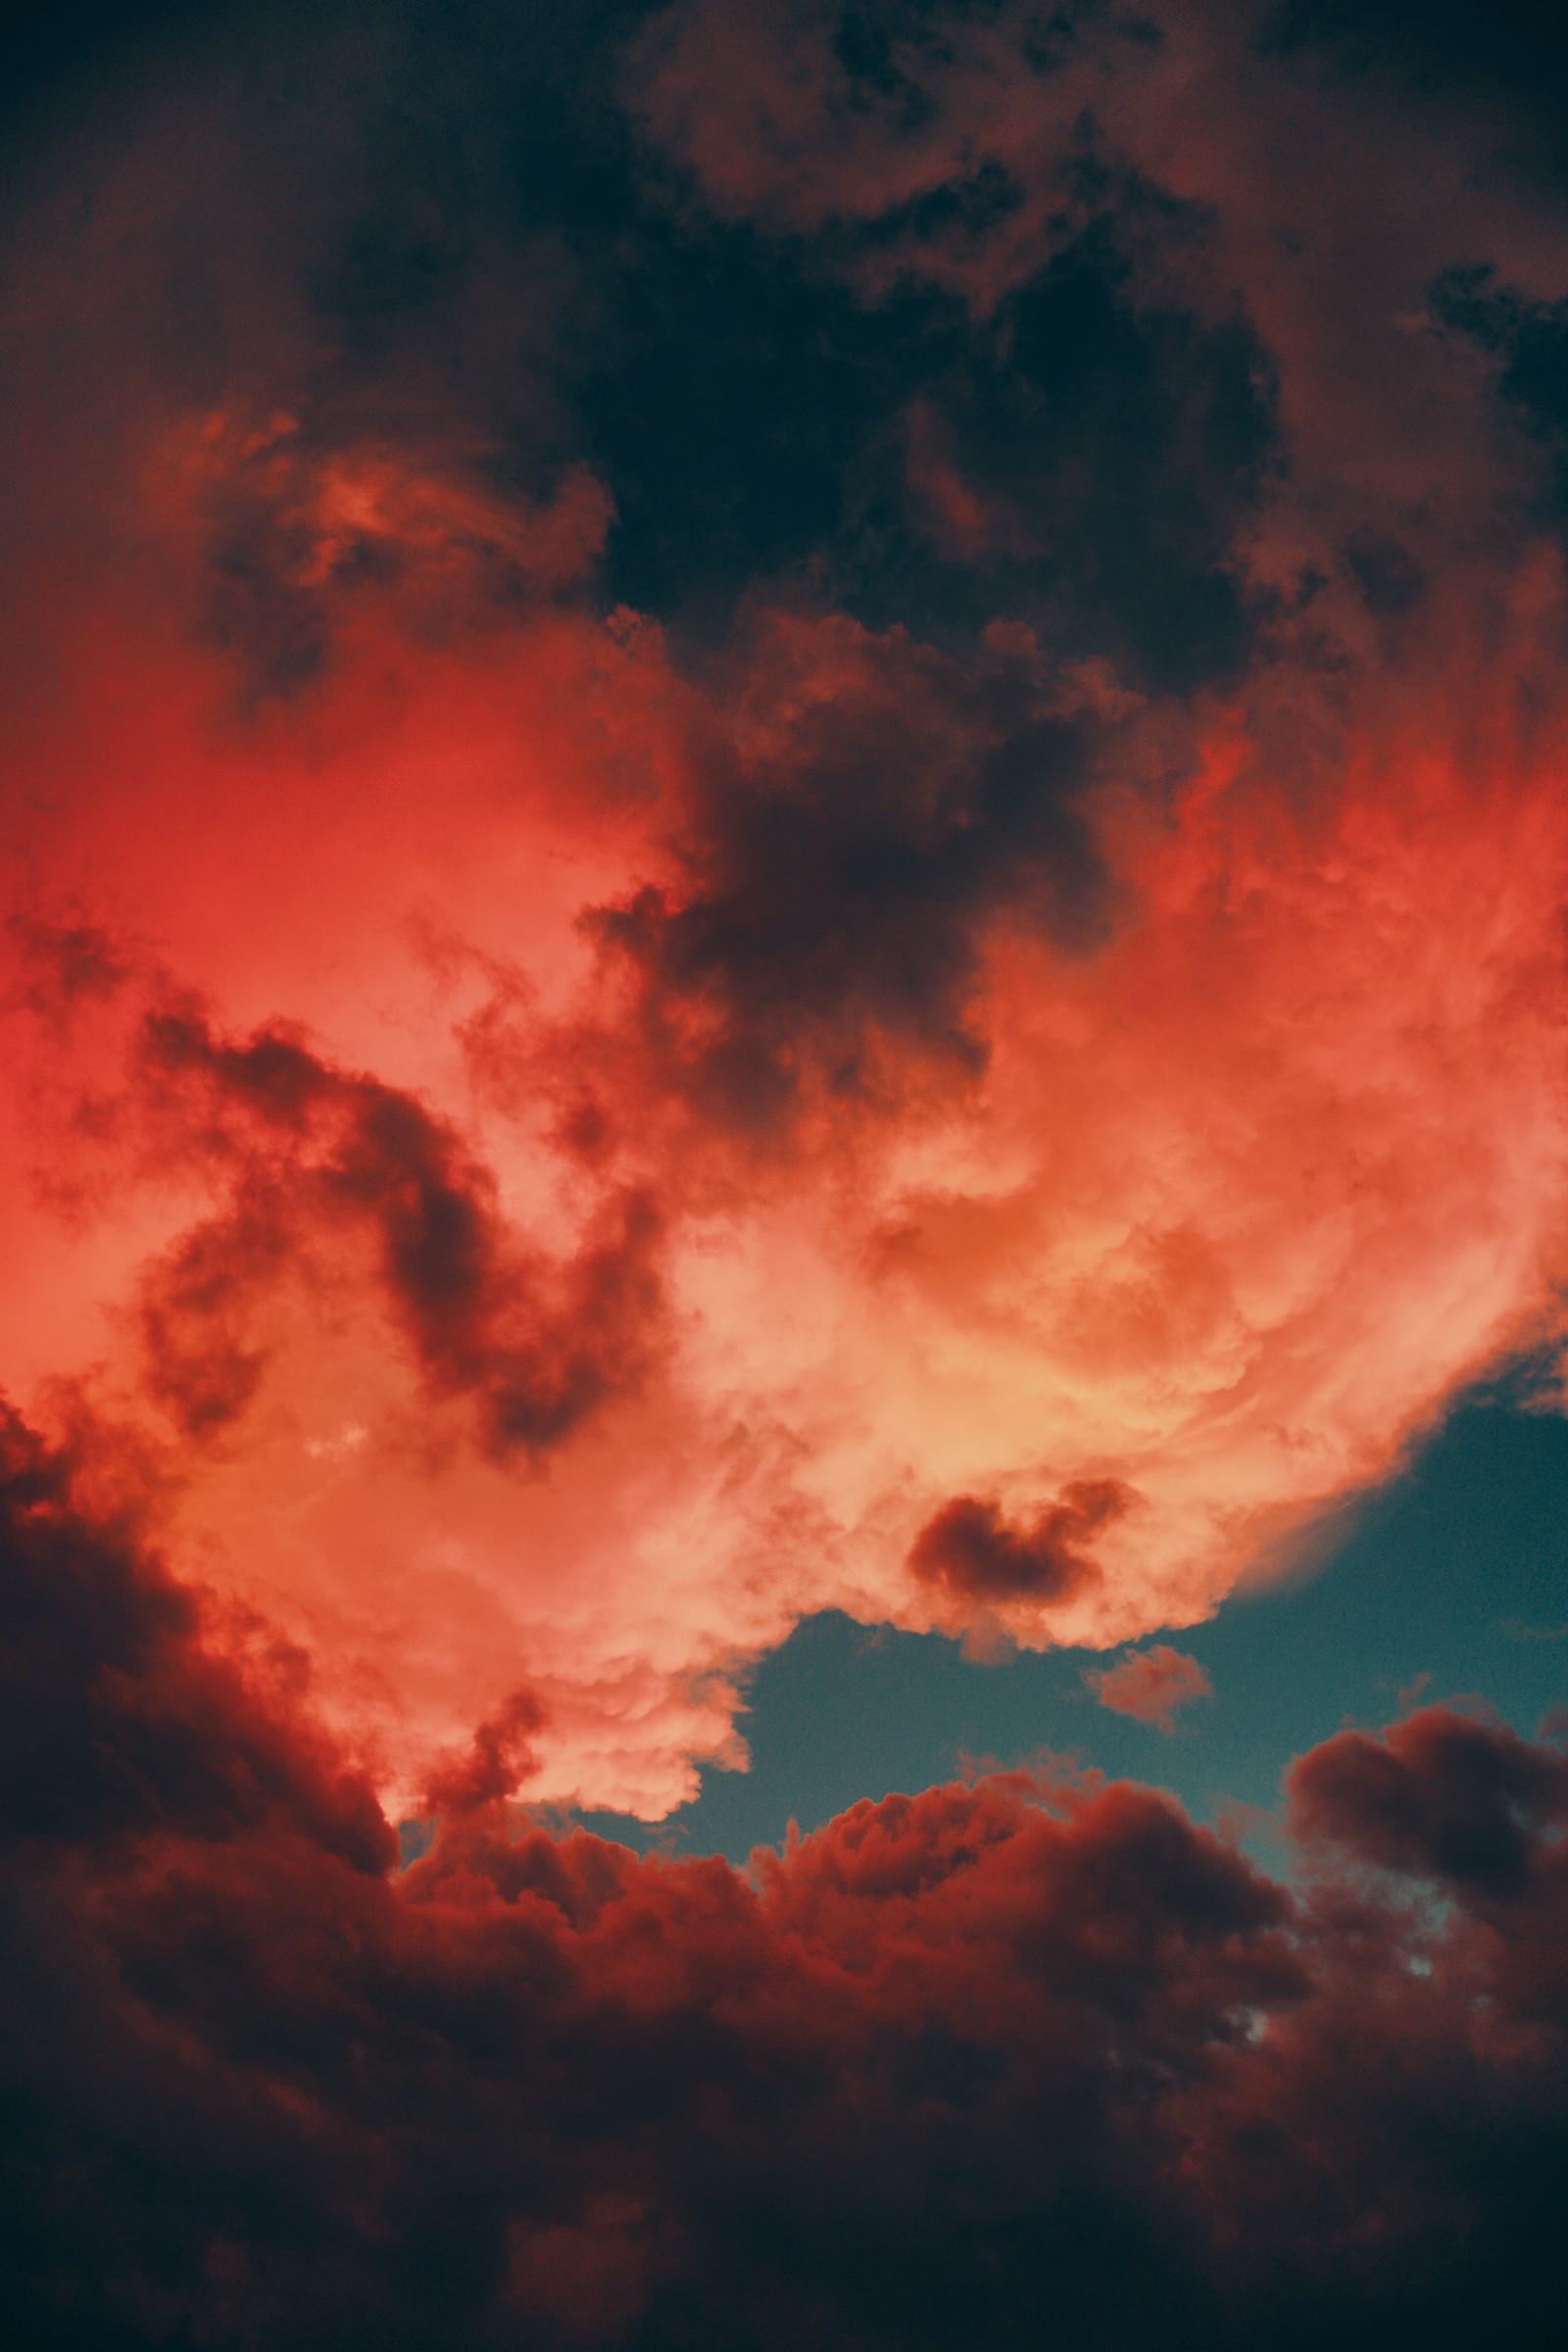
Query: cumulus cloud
[
  {"x": 783, "y": 829},
  {"x": 689, "y": 1259},
  {"x": 1151, "y": 1684},
  {"x": 813, "y": 845},
  {"x": 1027, "y": 2039}
]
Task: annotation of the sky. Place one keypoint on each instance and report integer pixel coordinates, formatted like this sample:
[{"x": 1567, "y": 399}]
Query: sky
[
  {"x": 785, "y": 1217},
  {"x": 1448, "y": 1584}
]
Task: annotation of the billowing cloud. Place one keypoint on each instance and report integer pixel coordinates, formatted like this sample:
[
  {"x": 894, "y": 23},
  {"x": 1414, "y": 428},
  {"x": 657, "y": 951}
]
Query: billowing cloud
[
  {"x": 783, "y": 830},
  {"x": 807, "y": 852},
  {"x": 609, "y": 1269},
  {"x": 1027, "y": 2040}
]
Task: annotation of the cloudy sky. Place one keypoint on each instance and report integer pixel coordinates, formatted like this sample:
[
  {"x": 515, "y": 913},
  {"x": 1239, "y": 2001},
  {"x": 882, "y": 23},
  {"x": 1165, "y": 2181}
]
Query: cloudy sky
[{"x": 785, "y": 1219}]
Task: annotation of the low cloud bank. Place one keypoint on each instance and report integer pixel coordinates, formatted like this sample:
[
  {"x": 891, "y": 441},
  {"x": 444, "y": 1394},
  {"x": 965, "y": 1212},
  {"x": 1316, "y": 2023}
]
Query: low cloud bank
[{"x": 1025, "y": 2055}]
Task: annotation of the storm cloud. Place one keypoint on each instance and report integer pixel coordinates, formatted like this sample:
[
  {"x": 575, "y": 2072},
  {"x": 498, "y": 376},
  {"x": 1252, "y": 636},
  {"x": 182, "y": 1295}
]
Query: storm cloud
[{"x": 783, "y": 831}]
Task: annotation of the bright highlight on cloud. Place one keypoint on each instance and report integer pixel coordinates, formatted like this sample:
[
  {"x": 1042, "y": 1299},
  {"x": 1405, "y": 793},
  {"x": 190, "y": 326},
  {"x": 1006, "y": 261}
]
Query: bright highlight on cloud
[
  {"x": 670, "y": 1300},
  {"x": 552, "y": 1151}
]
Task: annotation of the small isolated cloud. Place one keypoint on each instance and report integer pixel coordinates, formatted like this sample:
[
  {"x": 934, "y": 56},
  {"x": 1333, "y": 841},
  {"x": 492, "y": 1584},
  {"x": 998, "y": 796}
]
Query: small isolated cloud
[{"x": 1149, "y": 1684}]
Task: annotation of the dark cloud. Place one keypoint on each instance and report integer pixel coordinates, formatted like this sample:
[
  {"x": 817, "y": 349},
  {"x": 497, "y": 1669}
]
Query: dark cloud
[
  {"x": 1087, "y": 466},
  {"x": 451, "y": 241},
  {"x": 64, "y": 966},
  {"x": 1439, "y": 44},
  {"x": 58, "y": 67},
  {"x": 1526, "y": 343},
  {"x": 116, "y": 1724},
  {"x": 974, "y": 1553},
  {"x": 952, "y": 2062},
  {"x": 1463, "y": 1801},
  {"x": 1077, "y": 462},
  {"x": 469, "y": 332},
  {"x": 864, "y": 803},
  {"x": 499, "y": 1757},
  {"x": 309, "y": 1152},
  {"x": 948, "y": 447}
]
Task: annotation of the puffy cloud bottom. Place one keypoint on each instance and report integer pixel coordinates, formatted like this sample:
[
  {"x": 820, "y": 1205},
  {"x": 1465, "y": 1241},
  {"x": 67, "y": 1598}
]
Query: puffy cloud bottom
[{"x": 1031, "y": 2059}]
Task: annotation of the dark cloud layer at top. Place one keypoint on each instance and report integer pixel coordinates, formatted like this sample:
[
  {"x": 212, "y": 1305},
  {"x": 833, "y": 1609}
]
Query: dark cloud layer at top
[
  {"x": 1513, "y": 47},
  {"x": 1000, "y": 431},
  {"x": 498, "y": 316},
  {"x": 1020, "y": 2054},
  {"x": 450, "y": 234}
]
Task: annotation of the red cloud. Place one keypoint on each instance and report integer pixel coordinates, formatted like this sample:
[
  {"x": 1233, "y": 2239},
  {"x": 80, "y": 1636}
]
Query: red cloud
[
  {"x": 828, "y": 1212},
  {"x": 309, "y": 1152},
  {"x": 969, "y": 1551},
  {"x": 955, "y": 2058},
  {"x": 1438, "y": 1796},
  {"x": 546, "y": 1153},
  {"x": 1149, "y": 1684},
  {"x": 641, "y": 1140}
]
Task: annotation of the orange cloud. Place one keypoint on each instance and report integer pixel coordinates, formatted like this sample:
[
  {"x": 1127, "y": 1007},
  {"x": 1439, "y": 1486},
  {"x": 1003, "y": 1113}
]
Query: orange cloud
[
  {"x": 493, "y": 1334},
  {"x": 558, "y": 1156},
  {"x": 1151, "y": 1684}
]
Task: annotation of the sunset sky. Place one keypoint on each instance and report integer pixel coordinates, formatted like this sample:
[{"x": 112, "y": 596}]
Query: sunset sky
[{"x": 784, "y": 1224}]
